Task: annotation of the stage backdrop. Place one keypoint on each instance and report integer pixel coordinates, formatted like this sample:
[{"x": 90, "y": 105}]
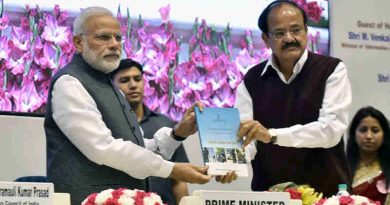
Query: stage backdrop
[
  {"x": 192, "y": 51},
  {"x": 360, "y": 36}
]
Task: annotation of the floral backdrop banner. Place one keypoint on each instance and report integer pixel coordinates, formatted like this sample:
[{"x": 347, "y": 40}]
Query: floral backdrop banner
[{"x": 204, "y": 64}]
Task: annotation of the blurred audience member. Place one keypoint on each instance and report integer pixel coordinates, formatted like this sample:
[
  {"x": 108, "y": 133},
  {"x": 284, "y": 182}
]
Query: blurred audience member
[{"x": 368, "y": 153}]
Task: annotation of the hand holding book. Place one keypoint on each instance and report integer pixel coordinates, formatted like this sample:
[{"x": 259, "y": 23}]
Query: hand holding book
[
  {"x": 251, "y": 130},
  {"x": 187, "y": 125}
]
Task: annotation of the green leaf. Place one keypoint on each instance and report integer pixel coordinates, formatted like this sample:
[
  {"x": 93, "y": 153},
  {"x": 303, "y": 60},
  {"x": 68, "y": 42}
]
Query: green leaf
[
  {"x": 140, "y": 21},
  {"x": 214, "y": 36},
  {"x": 35, "y": 32},
  {"x": 227, "y": 31},
  {"x": 119, "y": 9},
  {"x": 27, "y": 67},
  {"x": 128, "y": 32},
  {"x": 282, "y": 186},
  {"x": 5, "y": 80},
  {"x": 58, "y": 54},
  {"x": 32, "y": 21},
  {"x": 224, "y": 45},
  {"x": 1, "y": 8},
  {"x": 195, "y": 27}
]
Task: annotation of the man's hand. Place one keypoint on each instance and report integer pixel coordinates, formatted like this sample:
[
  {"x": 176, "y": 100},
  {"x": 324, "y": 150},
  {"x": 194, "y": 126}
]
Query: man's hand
[
  {"x": 190, "y": 173},
  {"x": 227, "y": 178},
  {"x": 187, "y": 125},
  {"x": 253, "y": 130}
]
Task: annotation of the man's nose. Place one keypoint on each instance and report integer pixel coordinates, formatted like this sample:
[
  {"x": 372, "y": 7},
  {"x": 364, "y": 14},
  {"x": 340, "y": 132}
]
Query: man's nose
[
  {"x": 288, "y": 36},
  {"x": 132, "y": 83},
  {"x": 114, "y": 43}
]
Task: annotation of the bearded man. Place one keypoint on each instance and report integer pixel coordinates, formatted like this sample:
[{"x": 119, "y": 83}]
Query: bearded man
[{"x": 93, "y": 138}]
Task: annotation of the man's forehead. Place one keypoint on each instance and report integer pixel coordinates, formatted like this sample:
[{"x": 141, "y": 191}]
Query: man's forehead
[
  {"x": 102, "y": 22},
  {"x": 134, "y": 71},
  {"x": 284, "y": 9},
  {"x": 278, "y": 14}
]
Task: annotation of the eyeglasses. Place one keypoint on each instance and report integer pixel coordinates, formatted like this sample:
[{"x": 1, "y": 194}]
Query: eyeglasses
[
  {"x": 296, "y": 31},
  {"x": 106, "y": 37}
]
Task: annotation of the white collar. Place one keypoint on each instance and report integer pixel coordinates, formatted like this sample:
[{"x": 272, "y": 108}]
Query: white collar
[{"x": 297, "y": 68}]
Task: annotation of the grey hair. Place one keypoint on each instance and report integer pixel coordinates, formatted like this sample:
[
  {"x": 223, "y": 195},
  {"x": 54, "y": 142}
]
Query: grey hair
[{"x": 78, "y": 24}]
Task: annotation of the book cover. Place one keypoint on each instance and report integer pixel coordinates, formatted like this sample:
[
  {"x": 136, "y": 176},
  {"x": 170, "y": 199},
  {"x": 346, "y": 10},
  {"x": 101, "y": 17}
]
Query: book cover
[{"x": 221, "y": 149}]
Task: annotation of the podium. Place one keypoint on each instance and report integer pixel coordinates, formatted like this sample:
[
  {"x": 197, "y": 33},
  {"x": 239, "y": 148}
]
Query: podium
[{"x": 213, "y": 197}]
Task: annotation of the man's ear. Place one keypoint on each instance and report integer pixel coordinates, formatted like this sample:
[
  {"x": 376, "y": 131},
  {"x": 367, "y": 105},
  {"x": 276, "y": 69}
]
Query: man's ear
[
  {"x": 78, "y": 44},
  {"x": 266, "y": 40}
]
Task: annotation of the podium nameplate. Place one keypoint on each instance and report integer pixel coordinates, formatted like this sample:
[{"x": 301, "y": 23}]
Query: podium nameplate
[
  {"x": 24, "y": 193},
  {"x": 209, "y": 197}
]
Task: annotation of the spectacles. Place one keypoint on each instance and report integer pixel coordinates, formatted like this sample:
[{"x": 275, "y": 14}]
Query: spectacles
[
  {"x": 296, "y": 31},
  {"x": 106, "y": 37}
]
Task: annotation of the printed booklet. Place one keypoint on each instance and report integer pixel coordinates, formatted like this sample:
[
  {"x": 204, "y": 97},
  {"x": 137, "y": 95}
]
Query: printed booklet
[{"x": 221, "y": 149}]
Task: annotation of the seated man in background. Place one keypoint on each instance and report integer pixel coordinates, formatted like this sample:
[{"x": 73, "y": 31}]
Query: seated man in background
[{"x": 128, "y": 78}]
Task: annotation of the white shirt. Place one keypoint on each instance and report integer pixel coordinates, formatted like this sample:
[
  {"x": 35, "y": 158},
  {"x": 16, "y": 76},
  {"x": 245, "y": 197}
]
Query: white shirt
[
  {"x": 333, "y": 117},
  {"x": 78, "y": 117}
]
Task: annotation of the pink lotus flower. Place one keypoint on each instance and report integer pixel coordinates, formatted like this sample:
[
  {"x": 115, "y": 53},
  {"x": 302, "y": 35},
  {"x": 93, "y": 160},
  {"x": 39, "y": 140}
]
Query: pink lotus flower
[
  {"x": 183, "y": 98},
  {"x": 313, "y": 11},
  {"x": 197, "y": 58},
  {"x": 5, "y": 101},
  {"x": 24, "y": 23},
  {"x": 61, "y": 16},
  {"x": 176, "y": 113},
  {"x": 244, "y": 61},
  {"x": 227, "y": 94},
  {"x": 164, "y": 12},
  {"x": 234, "y": 77},
  {"x": 35, "y": 47},
  {"x": 41, "y": 24},
  {"x": 46, "y": 60},
  {"x": 55, "y": 33},
  {"x": 163, "y": 104},
  {"x": 313, "y": 41},
  {"x": 171, "y": 50},
  {"x": 4, "y": 22},
  {"x": 21, "y": 38},
  {"x": 209, "y": 62},
  {"x": 56, "y": 10},
  {"x": 26, "y": 99},
  {"x": 4, "y": 48},
  {"x": 160, "y": 40},
  {"x": 32, "y": 11},
  {"x": 16, "y": 65},
  {"x": 300, "y": 2}
]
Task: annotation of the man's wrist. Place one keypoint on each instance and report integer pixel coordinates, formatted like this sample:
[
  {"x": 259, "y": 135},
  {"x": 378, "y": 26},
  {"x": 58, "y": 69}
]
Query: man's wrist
[
  {"x": 176, "y": 137},
  {"x": 274, "y": 136}
]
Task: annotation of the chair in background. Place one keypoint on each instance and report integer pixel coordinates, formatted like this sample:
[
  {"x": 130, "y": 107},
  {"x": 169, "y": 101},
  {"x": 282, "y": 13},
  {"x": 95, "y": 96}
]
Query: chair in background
[{"x": 31, "y": 179}]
